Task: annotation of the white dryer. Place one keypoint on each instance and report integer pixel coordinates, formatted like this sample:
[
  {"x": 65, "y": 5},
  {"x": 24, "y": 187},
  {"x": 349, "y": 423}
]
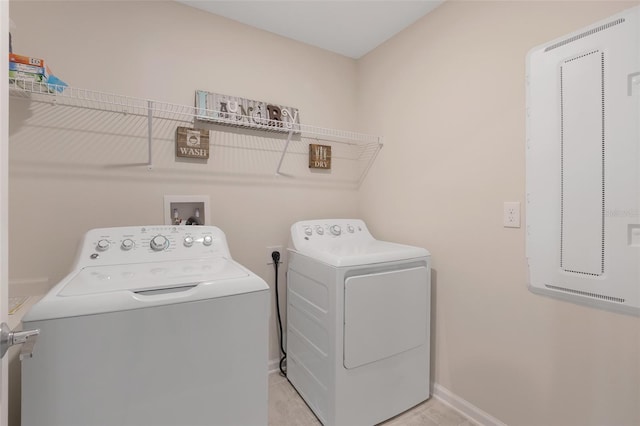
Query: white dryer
[
  {"x": 357, "y": 322},
  {"x": 155, "y": 325}
]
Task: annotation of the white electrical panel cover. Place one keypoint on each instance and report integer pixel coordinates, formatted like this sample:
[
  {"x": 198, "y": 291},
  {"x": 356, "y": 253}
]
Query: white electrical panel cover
[{"x": 583, "y": 165}]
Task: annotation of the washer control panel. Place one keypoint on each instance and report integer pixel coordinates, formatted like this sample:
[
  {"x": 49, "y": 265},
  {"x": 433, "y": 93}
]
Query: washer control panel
[
  {"x": 137, "y": 244},
  {"x": 309, "y": 231}
]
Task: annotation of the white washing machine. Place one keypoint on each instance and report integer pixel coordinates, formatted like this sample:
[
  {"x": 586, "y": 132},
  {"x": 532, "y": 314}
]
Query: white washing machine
[
  {"x": 357, "y": 322},
  {"x": 155, "y": 325}
]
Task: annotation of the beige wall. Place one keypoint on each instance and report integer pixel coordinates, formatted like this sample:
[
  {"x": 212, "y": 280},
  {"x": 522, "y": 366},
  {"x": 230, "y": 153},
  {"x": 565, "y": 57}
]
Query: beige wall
[
  {"x": 73, "y": 170},
  {"x": 448, "y": 95}
]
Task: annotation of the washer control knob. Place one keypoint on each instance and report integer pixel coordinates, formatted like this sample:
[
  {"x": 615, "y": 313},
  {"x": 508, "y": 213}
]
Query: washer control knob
[
  {"x": 208, "y": 239},
  {"x": 308, "y": 231},
  {"x": 319, "y": 230},
  {"x": 188, "y": 241},
  {"x": 127, "y": 244},
  {"x": 103, "y": 245},
  {"x": 159, "y": 243},
  {"x": 335, "y": 230},
  {"x": 350, "y": 229}
]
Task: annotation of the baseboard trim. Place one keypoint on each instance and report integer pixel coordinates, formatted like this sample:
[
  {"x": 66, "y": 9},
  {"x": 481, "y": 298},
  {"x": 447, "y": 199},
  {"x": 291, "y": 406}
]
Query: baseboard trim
[
  {"x": 274, "y": 365},
  {"x": 445, "y": 396},
  {"x": 465, "y": 407}
]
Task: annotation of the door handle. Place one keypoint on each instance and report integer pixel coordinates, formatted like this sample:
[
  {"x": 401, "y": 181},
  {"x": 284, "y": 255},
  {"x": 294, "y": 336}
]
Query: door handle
[{"x": 10, "y": 338}]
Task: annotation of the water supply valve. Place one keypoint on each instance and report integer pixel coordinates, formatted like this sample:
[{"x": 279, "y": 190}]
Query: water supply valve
[{"x": 10, "y": 338}]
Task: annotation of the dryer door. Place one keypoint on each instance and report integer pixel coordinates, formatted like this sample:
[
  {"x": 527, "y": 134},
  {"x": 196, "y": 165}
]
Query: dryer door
[{"x": 385, "y": 314}]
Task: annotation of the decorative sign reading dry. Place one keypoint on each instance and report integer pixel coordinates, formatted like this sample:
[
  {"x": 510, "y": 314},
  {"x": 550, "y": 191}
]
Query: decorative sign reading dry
[
  {"x": 237, "y": 111},
  {"x": 192, "y": 143},
  {"x": 319, "y": 156}
]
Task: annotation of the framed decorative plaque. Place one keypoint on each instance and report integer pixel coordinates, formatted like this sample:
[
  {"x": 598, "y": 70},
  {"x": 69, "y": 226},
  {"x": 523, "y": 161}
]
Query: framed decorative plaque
[
  {"x": 236, "y": 111},
  {"x": 319, "y": 156},
  {"x": 192, "y": 143}
]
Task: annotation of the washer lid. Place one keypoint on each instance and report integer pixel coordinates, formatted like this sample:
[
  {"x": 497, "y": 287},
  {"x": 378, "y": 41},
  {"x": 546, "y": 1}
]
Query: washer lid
[
  {"x": 104, "y": 289},
  {"x": 141, "y": 277},
  {"x": 353, "y": 253}
]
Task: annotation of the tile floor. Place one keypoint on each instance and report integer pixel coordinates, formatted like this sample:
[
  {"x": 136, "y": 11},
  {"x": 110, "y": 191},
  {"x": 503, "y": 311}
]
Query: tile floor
[{"x": 286, "y": 408}]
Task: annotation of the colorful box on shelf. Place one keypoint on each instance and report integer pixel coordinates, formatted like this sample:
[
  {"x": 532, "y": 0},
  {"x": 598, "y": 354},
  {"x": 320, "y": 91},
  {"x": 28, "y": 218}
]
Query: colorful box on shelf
[
  {"x": 55, "y": 83},
  {"x": 27, "y": 60},
  {"x": 36, "y": 83},
  {"x": 33, "y": 70},
  {"x": 20, "y": 75}
]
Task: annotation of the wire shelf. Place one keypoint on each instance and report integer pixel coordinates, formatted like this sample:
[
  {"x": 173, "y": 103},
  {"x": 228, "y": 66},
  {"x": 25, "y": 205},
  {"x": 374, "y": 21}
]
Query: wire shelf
[{"x": 358, "y": 148}]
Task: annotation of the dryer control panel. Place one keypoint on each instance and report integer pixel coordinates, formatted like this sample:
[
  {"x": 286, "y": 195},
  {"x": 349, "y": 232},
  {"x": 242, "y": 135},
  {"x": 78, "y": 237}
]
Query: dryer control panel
[
  {"x": 346, "y": 242},
  {"x": 327, "y": 229},
  {"x": 138, "y": 244}
]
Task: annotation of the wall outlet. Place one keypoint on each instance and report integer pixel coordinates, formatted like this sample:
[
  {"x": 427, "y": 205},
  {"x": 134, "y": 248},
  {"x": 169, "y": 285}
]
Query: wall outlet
[
  {"x": 511, "y": 214},
  {"x": 270, "y": 250}
]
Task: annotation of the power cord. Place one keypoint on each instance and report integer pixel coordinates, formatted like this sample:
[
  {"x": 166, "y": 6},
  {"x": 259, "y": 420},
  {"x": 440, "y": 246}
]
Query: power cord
[{"x": 275, "y": 255}]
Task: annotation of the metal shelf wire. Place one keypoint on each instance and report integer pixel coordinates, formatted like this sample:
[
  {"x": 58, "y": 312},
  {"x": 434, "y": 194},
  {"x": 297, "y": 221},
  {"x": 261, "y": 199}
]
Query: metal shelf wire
[{"x": 357, "y": 148}]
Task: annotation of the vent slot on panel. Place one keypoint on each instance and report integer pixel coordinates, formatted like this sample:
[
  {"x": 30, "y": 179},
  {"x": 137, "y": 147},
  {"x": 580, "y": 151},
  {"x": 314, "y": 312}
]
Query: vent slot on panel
[
  {"x": 582, "y": 154},
  {"x": 585, "y": 34},
  {"x": 586, "y": 293}
]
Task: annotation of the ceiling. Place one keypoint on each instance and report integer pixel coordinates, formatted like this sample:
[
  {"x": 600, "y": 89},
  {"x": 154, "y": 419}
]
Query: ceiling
[{"x": 351, "y": 28}]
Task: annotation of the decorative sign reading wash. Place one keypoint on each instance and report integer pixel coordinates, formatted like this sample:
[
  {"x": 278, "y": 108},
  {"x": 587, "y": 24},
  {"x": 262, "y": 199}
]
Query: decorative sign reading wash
[
  {"x": 237, "y": 111},
  {"x": 192, "y": 143},
  {"x": 319, "y": 156}
]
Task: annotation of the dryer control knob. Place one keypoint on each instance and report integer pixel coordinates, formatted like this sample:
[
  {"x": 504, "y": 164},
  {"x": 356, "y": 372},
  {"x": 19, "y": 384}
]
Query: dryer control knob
[
  {"x": 127, "y": 244},
  {"x": 159, "y": 243},
  {"x": 308, "y": 231},
  {"x": 188, "y": 241},
  {"x": 350, "y": 229},
  {"x": 102, "y": 245},
  {"x": 319, "y": 230},
  {"x": 335, "y": 230},
  {"x": 208, "y": 239}
]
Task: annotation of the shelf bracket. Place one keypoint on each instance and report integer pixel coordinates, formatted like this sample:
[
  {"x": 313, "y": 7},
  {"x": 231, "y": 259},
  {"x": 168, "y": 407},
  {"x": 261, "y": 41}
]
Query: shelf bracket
[
  {"x": 150, "y": 133},
  {"x": 284, "y": 151}
]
